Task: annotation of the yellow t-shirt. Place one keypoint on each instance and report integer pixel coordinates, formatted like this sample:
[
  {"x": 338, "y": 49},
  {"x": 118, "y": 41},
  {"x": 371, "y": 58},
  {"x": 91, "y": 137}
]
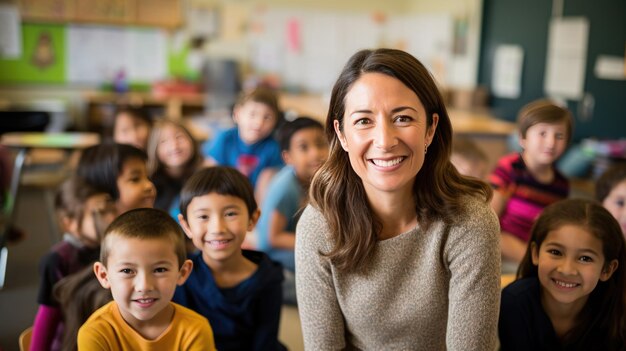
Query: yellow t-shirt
[{"x": 107, "y": 330}]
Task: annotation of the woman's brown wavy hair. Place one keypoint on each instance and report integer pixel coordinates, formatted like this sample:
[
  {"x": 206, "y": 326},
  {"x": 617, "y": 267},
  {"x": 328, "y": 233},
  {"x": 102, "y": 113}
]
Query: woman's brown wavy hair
[{"x": 338, "y": 192}]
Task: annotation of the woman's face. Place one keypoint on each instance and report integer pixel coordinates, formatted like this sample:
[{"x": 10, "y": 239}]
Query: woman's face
[{"x": 384, "y": 133}]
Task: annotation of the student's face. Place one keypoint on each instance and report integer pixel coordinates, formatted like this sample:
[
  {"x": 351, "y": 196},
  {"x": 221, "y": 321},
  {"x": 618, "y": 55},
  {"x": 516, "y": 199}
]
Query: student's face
[
  {"x": 217, "y": 225},
  {"x": 385, "y": 131},
  {"x": 570, "y": 263},
  {"x": 255, "y": 121},
  {"x": 142, "y": 275},
  {"x": 131, "y": 130},
  {"x": 544, "y": 143},
  {"x": 136, "y": 190},
  {"x": 308, "y": 150},
  {"x": 100, "y": 208},
  {"x": 174, "y": 147},
  {"x": 615, "y": 203}
]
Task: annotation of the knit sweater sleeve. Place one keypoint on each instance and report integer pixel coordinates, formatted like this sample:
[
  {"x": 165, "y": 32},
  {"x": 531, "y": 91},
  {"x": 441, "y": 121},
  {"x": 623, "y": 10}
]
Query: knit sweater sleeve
[
  {"x": 472, "y": 254},
  {"x": 320, "y": 314}
]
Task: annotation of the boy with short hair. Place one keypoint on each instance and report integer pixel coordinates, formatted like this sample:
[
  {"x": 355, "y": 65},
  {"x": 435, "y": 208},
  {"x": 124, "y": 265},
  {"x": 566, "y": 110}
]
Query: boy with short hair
[
  {"x": 238, "y": 291},
  {"x": 249, "y": 146},
  {"x": 525, "y": 183},
  {"x": 304, "y": 150},
  {"x": 142, "y": 259}
]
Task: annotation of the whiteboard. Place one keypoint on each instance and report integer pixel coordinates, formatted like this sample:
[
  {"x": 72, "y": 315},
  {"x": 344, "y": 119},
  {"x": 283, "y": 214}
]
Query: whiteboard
[
  {"x": 95, "y": 54},
  {"x": 329, "y": 39}
]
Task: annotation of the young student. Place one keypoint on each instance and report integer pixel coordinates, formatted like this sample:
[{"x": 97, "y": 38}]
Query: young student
[
  {"x": 304, "y": 150},
  {"x": 527, "y": 182},
  {"x": 249, "y": 146},
  {"x": 120, "y": 170},
  {"x": 173, "y": 156},
  {"x": 132, "y": 126},
  {"x": 77, "y": 205},
  {"x": 611, "y": 192},
  {"x": 238, "y": 291},
  {"x": 570, "y": 293},
  {"x": 468, "y": 158},
  {"x": 142, "y": 260}
]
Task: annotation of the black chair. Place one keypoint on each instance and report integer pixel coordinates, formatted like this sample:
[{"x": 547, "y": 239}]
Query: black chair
[{"x": 23, "y": 121}]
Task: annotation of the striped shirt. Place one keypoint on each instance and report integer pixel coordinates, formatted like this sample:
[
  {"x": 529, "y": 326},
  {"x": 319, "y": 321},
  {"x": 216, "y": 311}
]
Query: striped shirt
[{"x": 527, "y": 197}]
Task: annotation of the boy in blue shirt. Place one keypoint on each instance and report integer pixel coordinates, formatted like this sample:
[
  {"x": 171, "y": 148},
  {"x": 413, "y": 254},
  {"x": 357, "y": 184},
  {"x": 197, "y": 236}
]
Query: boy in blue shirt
[
  {"x": 304, "y": 149},
  {"x": 238, "y": 291},
  {"x": 249, "y": 146}
]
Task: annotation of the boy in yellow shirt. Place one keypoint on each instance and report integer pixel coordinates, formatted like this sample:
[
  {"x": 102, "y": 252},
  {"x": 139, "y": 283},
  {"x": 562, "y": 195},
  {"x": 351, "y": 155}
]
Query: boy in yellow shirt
[{"x": 142, "y": 260}]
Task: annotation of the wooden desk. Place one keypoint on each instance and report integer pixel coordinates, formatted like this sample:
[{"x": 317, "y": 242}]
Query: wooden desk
[
  {"x": 479, "y": 123},
  {"x": 23, "y": 143}
]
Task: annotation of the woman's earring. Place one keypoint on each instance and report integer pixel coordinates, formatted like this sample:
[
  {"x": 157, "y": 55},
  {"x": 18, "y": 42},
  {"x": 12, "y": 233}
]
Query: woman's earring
[{"x": 425, "y": 148}]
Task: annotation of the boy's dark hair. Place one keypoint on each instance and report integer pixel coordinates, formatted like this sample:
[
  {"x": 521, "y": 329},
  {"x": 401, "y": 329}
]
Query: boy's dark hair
[
  {"x": 101, "y": 165},
  {"x": 263, "y": 95},
  {"x": 288, "y": 129},
  {"x": 144, "y": 224},
  {"x": 544, "y": 111},
  {"x": 71, "y": 196},
  {"x": 136, "y": 112},
  {"x": 220, "y": 180},
  {"x": 609, "y": 179}
]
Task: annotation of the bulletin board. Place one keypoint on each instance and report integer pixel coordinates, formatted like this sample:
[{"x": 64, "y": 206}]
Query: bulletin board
[
  {"x": 87, "y": 54},
  {"x": 43, "y": 56},
  {"x": 308, "y": 48}
]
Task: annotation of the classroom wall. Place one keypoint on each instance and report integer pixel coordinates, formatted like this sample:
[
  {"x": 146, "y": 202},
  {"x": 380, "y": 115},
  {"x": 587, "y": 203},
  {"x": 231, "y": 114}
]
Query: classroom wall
[
  {"x": 526, "y": 24},
  {"x": 233, "y": 41}
]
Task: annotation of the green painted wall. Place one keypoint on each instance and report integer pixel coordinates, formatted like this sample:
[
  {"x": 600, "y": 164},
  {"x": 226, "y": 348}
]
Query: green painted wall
[{"x": 24, "y": 70}]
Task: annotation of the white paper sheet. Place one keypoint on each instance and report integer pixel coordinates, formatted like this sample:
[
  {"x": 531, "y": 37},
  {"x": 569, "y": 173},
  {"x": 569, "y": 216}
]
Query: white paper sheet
[
  {"x": 507, "y": 71},
  {"x": 610, "y": 67},
  {"x": 10, "y": 32},
  {"x": 567, "y": 56},
  {"x": 97, "y": 54}
]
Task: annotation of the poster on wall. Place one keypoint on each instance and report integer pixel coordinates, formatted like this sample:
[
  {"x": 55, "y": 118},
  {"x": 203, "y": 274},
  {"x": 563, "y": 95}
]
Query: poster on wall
[
  {"x": 10, "y": 32},
  {"x": 506, "y": 79},
  {"x": 98, "y": 54},
  {"x": 567, "y": 57}
]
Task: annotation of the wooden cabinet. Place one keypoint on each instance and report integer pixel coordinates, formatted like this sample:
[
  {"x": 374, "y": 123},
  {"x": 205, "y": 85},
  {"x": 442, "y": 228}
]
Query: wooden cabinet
[{"x": 158, "y": 13}]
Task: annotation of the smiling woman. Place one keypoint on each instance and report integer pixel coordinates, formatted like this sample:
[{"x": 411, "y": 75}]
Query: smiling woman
[{"x": 397, "y": 250}]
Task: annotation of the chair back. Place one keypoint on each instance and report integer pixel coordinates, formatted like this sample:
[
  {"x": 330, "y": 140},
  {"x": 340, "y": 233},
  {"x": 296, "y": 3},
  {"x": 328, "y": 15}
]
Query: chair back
[
  {"x": 23, "y": 121},
  {"x": 24, "y": 339}
]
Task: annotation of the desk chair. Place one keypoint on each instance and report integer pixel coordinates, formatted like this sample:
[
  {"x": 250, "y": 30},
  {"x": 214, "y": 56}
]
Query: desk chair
[{"x": 24, "y": 339}]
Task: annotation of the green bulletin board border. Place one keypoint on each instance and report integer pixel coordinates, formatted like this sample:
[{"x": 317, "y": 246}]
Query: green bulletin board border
[{"x": 23, "y": 70}]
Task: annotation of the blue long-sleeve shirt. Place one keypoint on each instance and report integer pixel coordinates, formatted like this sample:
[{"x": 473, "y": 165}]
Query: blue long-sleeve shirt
[{"x": 244, "y": 317}]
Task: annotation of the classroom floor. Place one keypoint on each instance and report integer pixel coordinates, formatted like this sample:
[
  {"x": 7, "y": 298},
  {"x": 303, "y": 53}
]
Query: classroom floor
[{"x": 19, "y": 295}]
